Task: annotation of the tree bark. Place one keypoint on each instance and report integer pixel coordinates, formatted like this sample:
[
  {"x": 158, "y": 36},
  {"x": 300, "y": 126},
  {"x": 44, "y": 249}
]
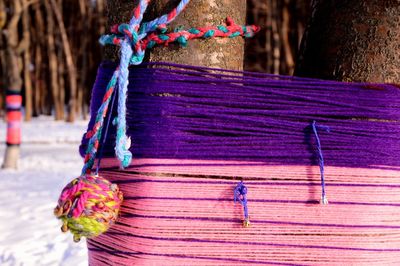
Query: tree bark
[
  {"x": 40, "y": 38},
  {"x": 11, "y": 157},
  {"x": 352, "y": 40},
  {"x": 27, "y": 64},
  {"x": 225, "y": 53},
  {"x": 3, "y": 63},
  {"x": 69, "y": 62},
  {"x": 53, "y": 66}
]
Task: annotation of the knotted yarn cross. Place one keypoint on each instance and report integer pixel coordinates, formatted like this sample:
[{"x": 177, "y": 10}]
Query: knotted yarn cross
[{"x": 134, "y": 38}]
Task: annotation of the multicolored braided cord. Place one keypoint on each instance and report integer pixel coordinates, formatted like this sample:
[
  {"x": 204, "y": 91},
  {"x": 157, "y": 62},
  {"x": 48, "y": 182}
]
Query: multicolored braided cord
[{"x": 134, "y": 38}]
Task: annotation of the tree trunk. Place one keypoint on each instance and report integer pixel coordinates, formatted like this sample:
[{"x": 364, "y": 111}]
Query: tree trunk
[
  {"x": 3, "y": 63},
  {"x": 352, "y": 40},
  {"x": 27, "y": 64},
  {"x": 14, "y": 82},
  {"x": 225, "y": 53},
  {"x": 40, "y": 39},
  {"x": 69, "y": 62},
  {"x": 276, "y": 52},
  {"x": 53, "y": 65}
]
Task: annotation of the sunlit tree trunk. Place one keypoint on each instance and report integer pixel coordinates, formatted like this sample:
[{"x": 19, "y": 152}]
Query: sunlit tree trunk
[
  {"x": 352, "y": 40},
  {"x": 225, "y": 53}
]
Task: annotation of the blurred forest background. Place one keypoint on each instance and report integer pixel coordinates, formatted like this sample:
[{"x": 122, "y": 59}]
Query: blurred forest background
[{"x": 49, "y": 48}]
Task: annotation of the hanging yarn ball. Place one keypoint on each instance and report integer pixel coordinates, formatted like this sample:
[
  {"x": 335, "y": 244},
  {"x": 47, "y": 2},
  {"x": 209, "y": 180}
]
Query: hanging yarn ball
[{"x": 88, "y": 206}]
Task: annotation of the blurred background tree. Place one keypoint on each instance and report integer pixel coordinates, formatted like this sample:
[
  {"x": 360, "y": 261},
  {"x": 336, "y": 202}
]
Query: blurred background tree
[
  {"x": 59, "y": 63},
  {"x": 57, "y": 66}
]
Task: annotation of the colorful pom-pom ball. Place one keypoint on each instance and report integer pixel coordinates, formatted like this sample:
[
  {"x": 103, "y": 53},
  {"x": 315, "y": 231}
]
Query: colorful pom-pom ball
[{"x": 88, "y": 206}]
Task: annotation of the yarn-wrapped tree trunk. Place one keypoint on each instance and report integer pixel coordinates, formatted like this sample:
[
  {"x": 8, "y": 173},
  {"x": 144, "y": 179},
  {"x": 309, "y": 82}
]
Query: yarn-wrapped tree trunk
[
  {"x": 220, "y": 52},
  {"x": 15, "y": 47},
  {"x": 352, "y": 40}
]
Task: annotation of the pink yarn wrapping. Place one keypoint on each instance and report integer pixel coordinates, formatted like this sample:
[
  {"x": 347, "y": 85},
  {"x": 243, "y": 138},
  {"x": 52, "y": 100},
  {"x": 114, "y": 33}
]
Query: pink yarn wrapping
[{"x": 360, "y": 226}]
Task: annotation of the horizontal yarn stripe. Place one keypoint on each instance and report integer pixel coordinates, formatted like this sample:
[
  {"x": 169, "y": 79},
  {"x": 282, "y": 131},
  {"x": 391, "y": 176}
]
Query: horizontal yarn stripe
[
  {"x": 190, "y": 219},
  {"x": 196, "y": 113}
]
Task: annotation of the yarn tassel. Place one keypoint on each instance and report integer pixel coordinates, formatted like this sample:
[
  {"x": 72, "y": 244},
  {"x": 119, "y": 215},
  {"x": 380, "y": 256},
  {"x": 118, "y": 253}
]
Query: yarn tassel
[
  {"x": 324, "y": 198},
  {"x": 240, "y": 194}
]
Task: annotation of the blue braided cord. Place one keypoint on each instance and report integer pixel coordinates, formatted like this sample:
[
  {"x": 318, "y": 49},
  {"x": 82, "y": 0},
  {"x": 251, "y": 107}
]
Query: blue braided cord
[
  {"x": 136, "y": 21},
  {"x": 153, "y": 25},
  {"x": 128, "y": 56},
  {"x": 324, "y": 199},
  {"x": 122, "y": 143}
]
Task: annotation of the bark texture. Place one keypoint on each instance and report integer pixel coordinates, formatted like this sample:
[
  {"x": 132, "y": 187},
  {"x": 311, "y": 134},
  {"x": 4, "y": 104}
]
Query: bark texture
[
  {"x": 352, "y": 40},
  {"x": 224, "y": 53},
  {"x": 11, "y": 157}
]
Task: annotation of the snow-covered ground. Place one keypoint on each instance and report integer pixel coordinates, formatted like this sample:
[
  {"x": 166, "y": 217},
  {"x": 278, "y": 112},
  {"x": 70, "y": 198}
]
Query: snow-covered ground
[{"x": 29, "y": 233}]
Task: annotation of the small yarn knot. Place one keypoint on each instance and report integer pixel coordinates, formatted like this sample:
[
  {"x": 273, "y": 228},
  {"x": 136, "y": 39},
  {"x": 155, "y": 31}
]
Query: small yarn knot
[
  {"x": 240, "y": 191},
  {"x": 240, "y": 194}
]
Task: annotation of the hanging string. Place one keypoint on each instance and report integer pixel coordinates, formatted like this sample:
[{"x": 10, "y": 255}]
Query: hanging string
[
  {"x": 95, "y": 133},
  {"x": 104, "y": 137},
  {"x": 134, "y": 38},
  {"x": 324, "y": 199},
  {"x": 240, "y": 194}
]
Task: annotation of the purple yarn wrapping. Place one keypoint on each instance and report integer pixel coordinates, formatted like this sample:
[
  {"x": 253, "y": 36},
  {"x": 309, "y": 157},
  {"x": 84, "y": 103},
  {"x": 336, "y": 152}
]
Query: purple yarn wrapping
[{"x": 186, "y": 112}]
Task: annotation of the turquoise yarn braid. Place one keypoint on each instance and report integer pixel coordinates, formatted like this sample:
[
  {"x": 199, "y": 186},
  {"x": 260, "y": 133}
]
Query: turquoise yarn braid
[
  {"x": 95, "y": 133},
  {"x": 134, "y": 38}
]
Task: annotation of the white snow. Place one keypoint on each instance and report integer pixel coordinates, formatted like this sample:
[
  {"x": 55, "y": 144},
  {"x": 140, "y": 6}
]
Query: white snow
[{"x": 29, "y": 232}]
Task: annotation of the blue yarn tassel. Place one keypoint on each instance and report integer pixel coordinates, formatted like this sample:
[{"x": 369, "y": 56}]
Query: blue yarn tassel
[
  {"x": 240, "y": 194},
  {"x": 324, "y": 199}
]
